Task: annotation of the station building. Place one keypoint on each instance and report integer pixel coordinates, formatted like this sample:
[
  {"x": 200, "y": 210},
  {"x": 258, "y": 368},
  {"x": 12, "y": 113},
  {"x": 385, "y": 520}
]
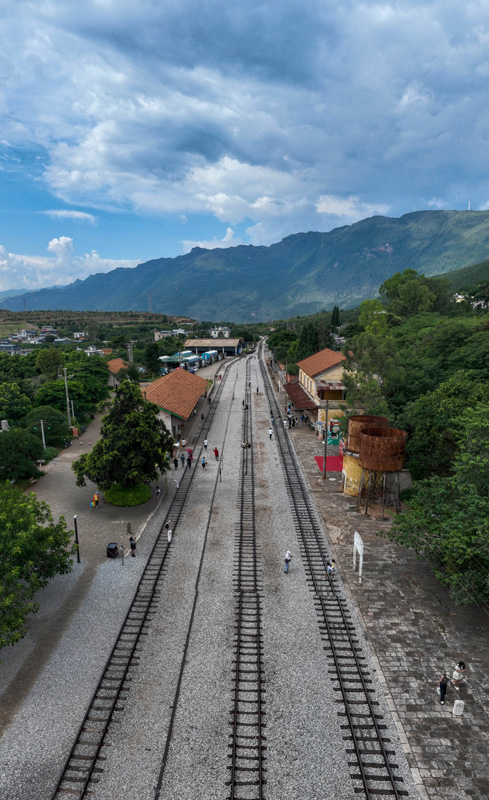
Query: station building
[
  {"x": 176, "y": 395},
  {"x": 319, "y": 389}
]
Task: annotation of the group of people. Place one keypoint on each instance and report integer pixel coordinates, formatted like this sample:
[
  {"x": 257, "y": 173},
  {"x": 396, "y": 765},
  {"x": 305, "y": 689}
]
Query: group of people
[
  {"x": 246, "y": 444},
  {"x": 458, "y": 675}
]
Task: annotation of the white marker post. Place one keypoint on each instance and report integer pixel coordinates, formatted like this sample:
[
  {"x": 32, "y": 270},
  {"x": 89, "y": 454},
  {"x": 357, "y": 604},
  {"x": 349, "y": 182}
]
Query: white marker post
[{"x": 358, "y": 548}]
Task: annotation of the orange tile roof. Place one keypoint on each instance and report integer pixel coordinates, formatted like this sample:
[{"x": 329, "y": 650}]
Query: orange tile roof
[
  {"x": 115, "y": 365},
  {"x": 178, "y": 392},
  {"x": 320, "y": 362}
]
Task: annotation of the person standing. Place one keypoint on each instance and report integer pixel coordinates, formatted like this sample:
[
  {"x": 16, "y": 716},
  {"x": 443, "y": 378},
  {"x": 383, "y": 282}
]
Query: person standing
[
  {"x": 175, "y": 463},
  {"x": 203, "y": 462},
  {"x": 95, "y": 500},
  {"x": 158, "y": 494},
  {"x": 205, "y": 444},
  {"x": 442, "y": 684},
  {"x": 189, "y": 461},
  {"x": 270, "y": 432},
  {"x": 216, "y": 454},
  {"x": 287, "y": 559},
  {"x": 132, "y": 545},
  {"x": 182, "y": 459},
  {"x": 184, "y": 442},
  {"x": 169, "y": 529}
]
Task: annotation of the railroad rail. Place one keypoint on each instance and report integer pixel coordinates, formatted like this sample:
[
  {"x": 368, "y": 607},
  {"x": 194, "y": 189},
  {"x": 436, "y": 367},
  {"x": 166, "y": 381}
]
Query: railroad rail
[
  {"x": 373, "y": 772},
  {"x": 84, "y": 765},
  {"x": 248, "y": 742}
]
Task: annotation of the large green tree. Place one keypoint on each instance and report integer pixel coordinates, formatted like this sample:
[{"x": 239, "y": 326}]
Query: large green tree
[
  {"x": 55, "y": 424},
  {"x": 33, "y": 549},
  {"x": 134, "y": 445},
  {"x": 19, "y": 452},
  {"x": 13, "y": 403},
  {"x": 308, "y": 342},
  {"x": 447, "y": 520},
  {"x": 50, "y": 361}
]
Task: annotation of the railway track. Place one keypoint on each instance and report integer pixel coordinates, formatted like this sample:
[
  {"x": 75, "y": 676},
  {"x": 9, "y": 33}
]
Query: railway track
[
  {"x": 371, "y": 759},
  {"x": 85, "y": 763},
  {"x": 247, "y": 740}
]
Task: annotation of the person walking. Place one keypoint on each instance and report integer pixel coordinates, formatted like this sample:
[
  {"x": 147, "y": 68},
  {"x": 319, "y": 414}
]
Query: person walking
[
  {"x": 158, "y": 494},
  {"x": 329, "y": 574},
  {"x": 189, "y": 461},
  {"x": 175, "y": 463},
  {"x": 442, "y": 685},
  {"x": 270, "y": 432},
  {"x": 203, "y": 462},
  {"x": 216, "y": 454},
  {"x": 182, "y": 459},
  {"x": 95, "y": 500},
  {"x": 205, "y": 444},
  {"x": 169, "y": 529},
  {"x": 132, "y": 545},
  {"x": 287, "y": 559}
]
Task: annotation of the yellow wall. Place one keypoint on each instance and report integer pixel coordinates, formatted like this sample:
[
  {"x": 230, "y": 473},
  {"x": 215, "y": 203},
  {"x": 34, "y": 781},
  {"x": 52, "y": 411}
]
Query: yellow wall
[{"x": 352, "y": 472}]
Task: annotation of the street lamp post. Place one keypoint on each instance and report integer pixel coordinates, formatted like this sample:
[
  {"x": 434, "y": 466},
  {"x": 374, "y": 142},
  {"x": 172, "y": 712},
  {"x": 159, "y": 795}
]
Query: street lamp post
[
  {"x": 67, "y": 398},
  {"x": 325, "y": 439},
  {"x": 42, "y": 433},
  {"x": 76, "y": 540}
]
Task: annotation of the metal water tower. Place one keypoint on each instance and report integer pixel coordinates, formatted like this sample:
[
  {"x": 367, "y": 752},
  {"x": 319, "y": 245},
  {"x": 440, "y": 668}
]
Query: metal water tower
[
  {"x": 381, "y": 457},
  {"x": 351, "y": 468}
]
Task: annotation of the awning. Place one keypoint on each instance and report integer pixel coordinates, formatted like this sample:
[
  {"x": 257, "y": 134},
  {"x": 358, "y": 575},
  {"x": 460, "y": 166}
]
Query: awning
[{"x": 299, "y": 397}]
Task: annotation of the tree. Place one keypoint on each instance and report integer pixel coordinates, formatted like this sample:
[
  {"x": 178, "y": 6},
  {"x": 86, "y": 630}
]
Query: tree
[
  {"x": 409, "y": 293},
  {"x": 13, "y": 404},
  {"x": 55, "y": 424},
  {"x": 49, "y": 362},
  {"x": 433, "y": 422},
  {"x": 335, "y": 317},
  {"x": 19, "y": 452},
  {"x": 447, "y": 520},
  {"x": 371, "y": 363},
  {"x": 279, "y": 342},
  {"x": 373, "y": 318},
  {"x": 151, "y": 357},
  {"x": 33, "y": 549},
  {"x": 308, "y": 342},
  {"x": 134, "y": 446}
]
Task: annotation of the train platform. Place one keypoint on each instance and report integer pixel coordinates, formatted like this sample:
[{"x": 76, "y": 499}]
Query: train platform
[{"x": 415, "y": 632}]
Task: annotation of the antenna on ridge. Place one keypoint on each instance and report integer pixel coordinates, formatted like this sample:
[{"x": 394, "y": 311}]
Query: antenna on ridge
[{"x": 469, "y": 206}]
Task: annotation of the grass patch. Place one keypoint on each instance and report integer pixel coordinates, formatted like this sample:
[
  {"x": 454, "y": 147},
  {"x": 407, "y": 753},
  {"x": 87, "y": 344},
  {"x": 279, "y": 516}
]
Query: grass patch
[{"x": 127, "y": 496}]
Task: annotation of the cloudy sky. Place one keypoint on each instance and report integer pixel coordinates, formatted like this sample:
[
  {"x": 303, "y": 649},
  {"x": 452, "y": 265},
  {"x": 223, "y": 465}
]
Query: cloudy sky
[{"x": 135, "y": 129}]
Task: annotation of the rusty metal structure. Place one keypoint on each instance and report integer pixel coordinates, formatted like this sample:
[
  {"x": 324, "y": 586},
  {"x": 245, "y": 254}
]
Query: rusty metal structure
[
  {"x": 381, "y": 457},
  {"x": 357, "y": 423}
]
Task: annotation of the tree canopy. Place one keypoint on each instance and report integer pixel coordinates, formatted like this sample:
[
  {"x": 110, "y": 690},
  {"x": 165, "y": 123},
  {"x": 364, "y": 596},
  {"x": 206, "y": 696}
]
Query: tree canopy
[
  {"x": 33, "y": 549},
  {"x": 19, "y": 452},
  {"x": 134, "y": 444}
]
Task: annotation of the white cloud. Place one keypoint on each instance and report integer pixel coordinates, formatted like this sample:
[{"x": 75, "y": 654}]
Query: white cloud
[
  {"x": 76, "y": 216},
  {"x": 60, "y": 268},
  {"x": 338, "y": 111},
  {"x": 227, "y": 241}
]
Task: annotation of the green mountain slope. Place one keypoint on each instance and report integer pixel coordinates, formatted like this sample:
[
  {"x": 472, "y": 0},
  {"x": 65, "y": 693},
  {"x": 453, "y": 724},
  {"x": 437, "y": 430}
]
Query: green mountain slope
[{"x": 302, "y": 274}]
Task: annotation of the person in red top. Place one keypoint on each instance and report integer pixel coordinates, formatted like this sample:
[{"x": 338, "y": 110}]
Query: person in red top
[{"x": 216, "y": 453}]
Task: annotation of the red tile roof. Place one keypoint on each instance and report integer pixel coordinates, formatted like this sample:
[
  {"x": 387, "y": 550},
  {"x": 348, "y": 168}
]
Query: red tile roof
[
  {"x": 299, "y": 397},
  {"x": 320, "y": 362},
  {"x": 178, "y": 392},
  {"x": 115, "y": 365}
]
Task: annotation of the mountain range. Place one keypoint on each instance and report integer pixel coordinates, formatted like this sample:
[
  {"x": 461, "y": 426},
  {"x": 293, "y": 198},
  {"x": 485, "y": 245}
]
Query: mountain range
[{"x": 302, "y": 274}]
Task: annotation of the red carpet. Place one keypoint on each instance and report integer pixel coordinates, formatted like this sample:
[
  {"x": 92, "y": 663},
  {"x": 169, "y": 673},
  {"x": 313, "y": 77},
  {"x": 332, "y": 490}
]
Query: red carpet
[{"x": 333, "y": 463}]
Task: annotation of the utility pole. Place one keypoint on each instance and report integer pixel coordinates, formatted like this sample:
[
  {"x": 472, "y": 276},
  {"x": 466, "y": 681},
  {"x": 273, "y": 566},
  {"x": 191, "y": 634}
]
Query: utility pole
[{"x": 67, "y": 398}]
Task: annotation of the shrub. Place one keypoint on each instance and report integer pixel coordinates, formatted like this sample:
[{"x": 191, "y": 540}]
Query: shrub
[{"x": 134, "y": 496}]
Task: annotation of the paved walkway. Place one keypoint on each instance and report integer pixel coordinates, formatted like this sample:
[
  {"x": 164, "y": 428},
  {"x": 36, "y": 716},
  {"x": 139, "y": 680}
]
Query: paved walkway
[{"x": 415, "y": 632}]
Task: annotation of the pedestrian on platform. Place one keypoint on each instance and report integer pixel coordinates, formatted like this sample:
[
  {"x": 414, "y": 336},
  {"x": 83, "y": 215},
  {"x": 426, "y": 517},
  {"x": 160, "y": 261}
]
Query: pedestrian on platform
[
  {"x": 270, "y": 431},
  {"x": 329, "y": 574},
  {"x": 132, "y": 545},
  {"x": 204, "y": 462},
  {"x": 287, "y": 559},
  {"x": 458, "y": 674},
  {"x": 202, "y": 417},
  {"x": 285, "y": 424},
  {"x": 158, "y": 494},
  {"x": 442, "y": 685},
  {"x": 216, "y": 454},
  {"x": 175, "y": 463},
  {"x": 183, "y": 442},
  {"x": 195, "y": 412},
  {"x": 205, "y": 444},
  {"x": 182, "y": 459},
  {"x": 189, "y": 461},
  {"x": 169, "y": 529}
]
